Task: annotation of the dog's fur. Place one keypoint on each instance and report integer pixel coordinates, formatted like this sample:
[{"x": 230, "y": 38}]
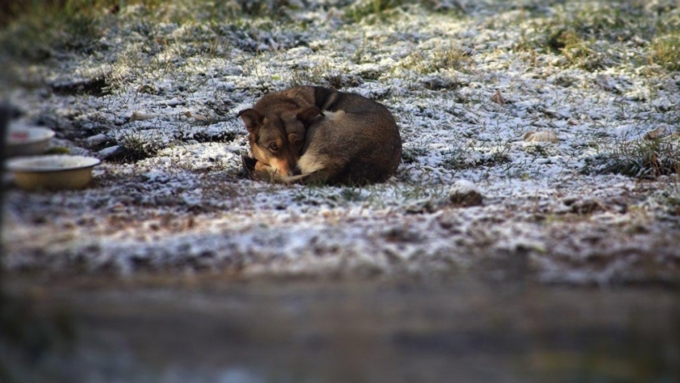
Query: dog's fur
[{"x": 325, "y": 135}]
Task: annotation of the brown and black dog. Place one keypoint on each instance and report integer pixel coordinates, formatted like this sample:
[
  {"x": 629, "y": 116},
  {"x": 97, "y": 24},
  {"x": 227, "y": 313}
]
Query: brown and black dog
[{"x": 319, "y": 135}]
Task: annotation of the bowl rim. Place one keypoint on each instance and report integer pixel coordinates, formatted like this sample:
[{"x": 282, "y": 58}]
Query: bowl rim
[
  {"x": 49, "y": 134},
  {"x": 24, "y": 164}
]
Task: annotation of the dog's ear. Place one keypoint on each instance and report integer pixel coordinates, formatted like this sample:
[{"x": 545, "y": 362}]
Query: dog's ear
[
  {"x": 307, "y": 115},
  {"x": 252, "y": 118}
]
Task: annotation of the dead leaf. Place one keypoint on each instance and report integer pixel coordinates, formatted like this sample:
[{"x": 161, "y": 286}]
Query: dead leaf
[
  {"x": 656, "y": 133},
  {"x": 498, "y": 98},
  {"x": 197, "y": 117}
]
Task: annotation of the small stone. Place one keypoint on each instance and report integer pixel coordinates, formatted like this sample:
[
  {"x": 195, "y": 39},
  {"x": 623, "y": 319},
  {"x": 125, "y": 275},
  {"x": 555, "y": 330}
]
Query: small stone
[
  {"x": 141, "y": 116},
  {"x": 107, "y": 152},
  {"x": 96, "y": 139},
  {"x": 117, "y": 208},
  {"x": 465, "y": 193},
  {"x": 173, "y": 102},
  {"x": 541, "y": 136},
  {"x": 197, "y": 117}
]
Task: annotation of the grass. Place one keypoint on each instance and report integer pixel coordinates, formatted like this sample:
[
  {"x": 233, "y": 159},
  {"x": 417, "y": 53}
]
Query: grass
[
  {"x": 370, "y": 10},
  {"x": 133, "y": 146},
  {"x": 324, "y": 74},
  {"x": 451, "y": 57},
  {"x": 540, "y": 150},
  {"x": 612, "y": 21},
  {"x": 310, "y": 76},
  {"x": 594, "y": 36},
  {"x": 410, "y": 155},
  {"x": 42, "y": 36},
  {"x": 333, "y": 197},
  {"x": 644, "y": 159},
  {"x": 586, "y": 36},
  {"x": 39, "y": 30},
  {"x": 468, "y": 157},
  {"x": 416, "y": 198},
  {"x": 670, "y": 198},
  {"x": 218, "y": 61},
  {"x": 581, "y": 32},
  {"x": 666, "y": 51},
  {"x": 584, "y": 54}
]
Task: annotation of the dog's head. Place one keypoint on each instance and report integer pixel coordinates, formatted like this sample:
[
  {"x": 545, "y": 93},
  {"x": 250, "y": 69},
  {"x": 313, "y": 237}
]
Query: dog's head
[{"x": 276, "y": 138}]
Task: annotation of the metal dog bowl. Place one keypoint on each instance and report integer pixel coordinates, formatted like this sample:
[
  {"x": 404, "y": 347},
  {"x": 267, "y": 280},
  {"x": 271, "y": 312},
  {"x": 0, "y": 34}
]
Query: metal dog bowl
[
  {"x": 53, "y": 172},
  {"x": 28, "y": 140}
]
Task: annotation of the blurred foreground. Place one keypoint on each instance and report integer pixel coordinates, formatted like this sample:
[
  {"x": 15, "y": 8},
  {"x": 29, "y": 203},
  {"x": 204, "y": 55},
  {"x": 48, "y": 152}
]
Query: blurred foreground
[{"x": 344, "y": 331}]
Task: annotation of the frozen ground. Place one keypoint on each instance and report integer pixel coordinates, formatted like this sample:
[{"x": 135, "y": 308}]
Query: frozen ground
[{"x": 155, "y": 92}]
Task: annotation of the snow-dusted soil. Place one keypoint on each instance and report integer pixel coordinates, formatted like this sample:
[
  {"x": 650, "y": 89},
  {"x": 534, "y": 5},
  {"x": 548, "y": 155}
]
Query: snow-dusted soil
[{"x": 156, "y": 97}]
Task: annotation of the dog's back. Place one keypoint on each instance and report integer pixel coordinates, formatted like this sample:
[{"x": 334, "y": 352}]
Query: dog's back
[{"x": 354, "y": 141}]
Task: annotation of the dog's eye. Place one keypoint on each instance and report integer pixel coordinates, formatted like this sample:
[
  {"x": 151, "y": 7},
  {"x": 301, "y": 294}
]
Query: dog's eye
[{"x": 273, "y": 147}]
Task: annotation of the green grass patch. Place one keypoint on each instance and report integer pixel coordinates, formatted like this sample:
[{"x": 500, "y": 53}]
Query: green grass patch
[
  {"x": 134, "y": 147},
  {"x": 644, "y": 159},
  {"x": 578, "y": 52},
  {"x": 666, "y": 51},
  {"x": 613, "y": 21},
  {"x": 38, "y": 38},
  {"x": 371, "y": 10},
  {"x": 670, "y": 198},
  {"x": 441, "y": 58},
  {"x": 594, "y": 36}
]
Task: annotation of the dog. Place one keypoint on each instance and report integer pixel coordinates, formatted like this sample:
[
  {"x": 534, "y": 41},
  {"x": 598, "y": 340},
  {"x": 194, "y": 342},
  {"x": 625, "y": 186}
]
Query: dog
[{"x": 317, "y": 135}]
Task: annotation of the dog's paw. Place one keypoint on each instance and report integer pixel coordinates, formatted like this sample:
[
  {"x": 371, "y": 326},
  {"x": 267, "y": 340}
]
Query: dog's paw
[
  {"x": 248, "y": 164},
  {"x": 257, "y": 170}
]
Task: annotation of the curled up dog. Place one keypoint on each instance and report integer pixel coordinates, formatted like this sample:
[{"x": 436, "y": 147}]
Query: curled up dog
[{"x": 318, "y": 135}]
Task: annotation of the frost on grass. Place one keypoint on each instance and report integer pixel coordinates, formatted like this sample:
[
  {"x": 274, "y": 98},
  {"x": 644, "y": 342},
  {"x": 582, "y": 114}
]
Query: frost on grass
[{"x": 551, "y": 111}]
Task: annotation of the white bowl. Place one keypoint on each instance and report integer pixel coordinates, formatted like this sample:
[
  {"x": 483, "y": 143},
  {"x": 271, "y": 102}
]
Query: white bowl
[
  {"x": 28, "y": 140},
  {"x": 53, "y": 172}
]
